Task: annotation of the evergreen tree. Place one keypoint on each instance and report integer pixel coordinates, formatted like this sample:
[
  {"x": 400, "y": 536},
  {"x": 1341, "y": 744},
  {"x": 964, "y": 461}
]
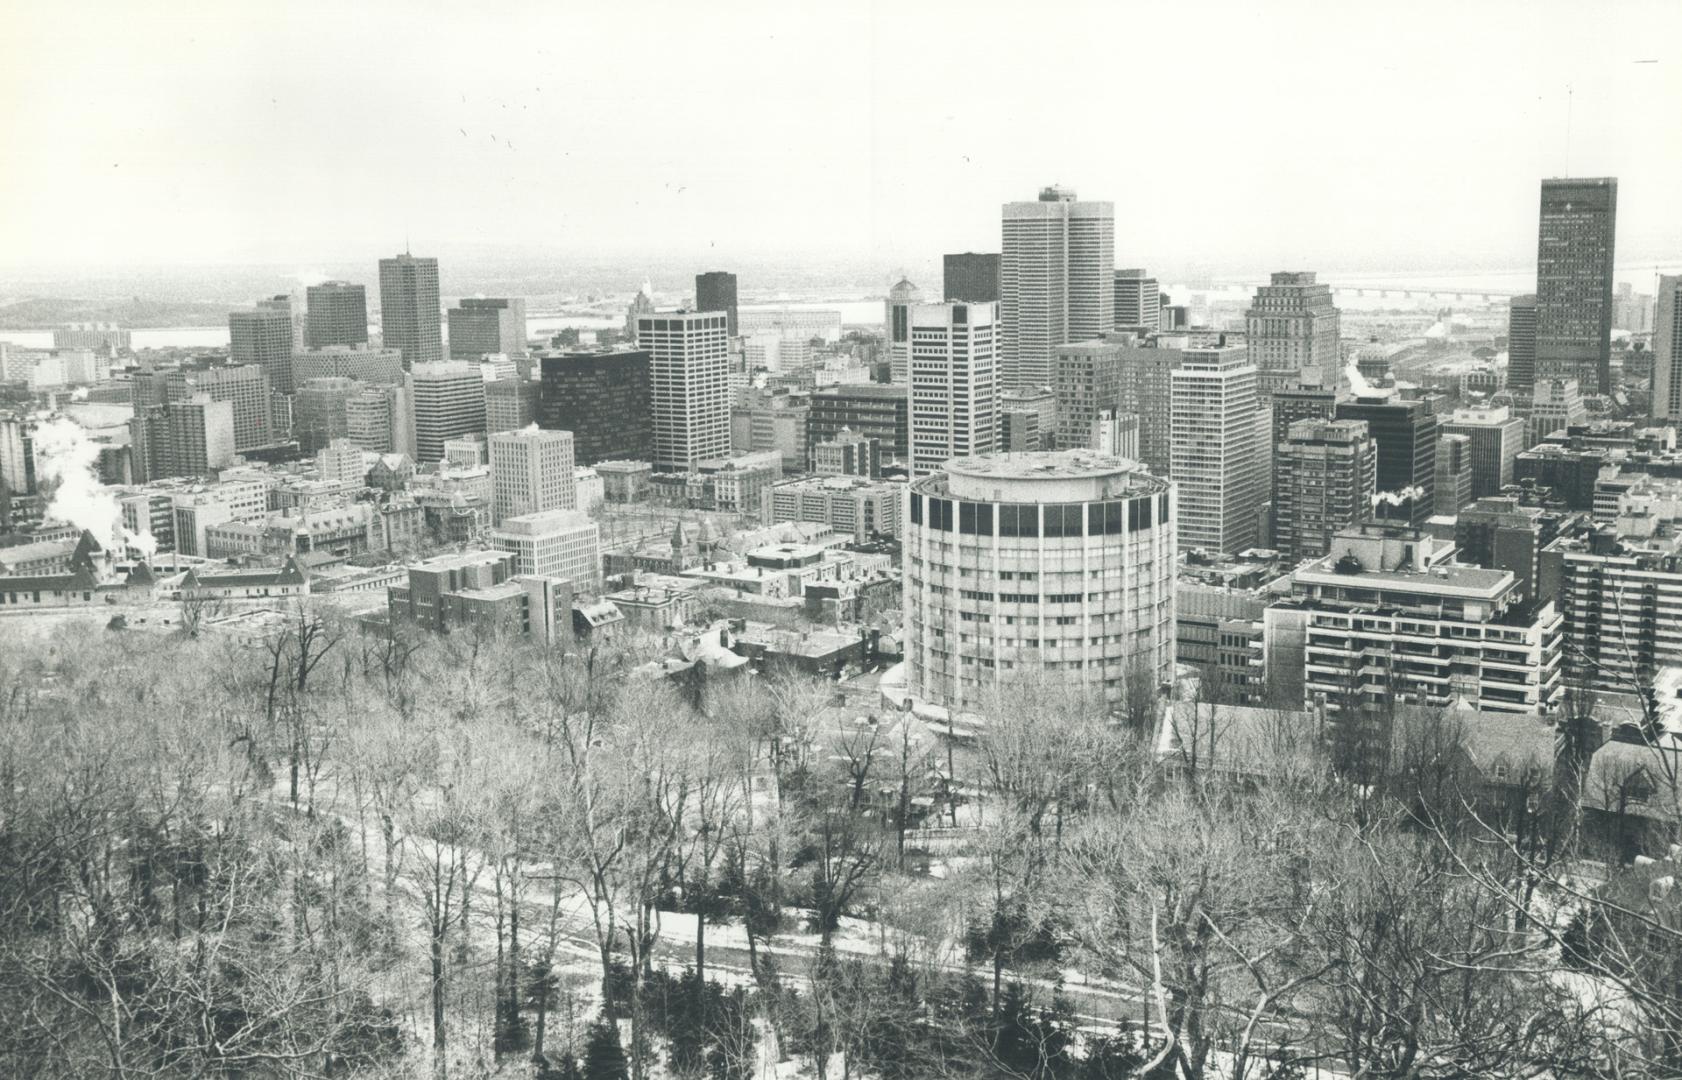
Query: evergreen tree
[{"x": 604, "y": 1056}]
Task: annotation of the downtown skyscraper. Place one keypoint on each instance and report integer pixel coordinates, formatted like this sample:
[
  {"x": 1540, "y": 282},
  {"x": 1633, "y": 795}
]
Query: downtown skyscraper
[
  {"x": 689, "y": 375},
  {"x": 1667, "y": 350},
  {"x": 1219, "y": 445},
  {"x": 1574, "y": 252},
  {"x": 715, "y": 290},
  {"x": 1292, "y": 326},
  {"x": 410, "y": 313},
  {"x": 337, "y": 313},
  {"x": 1056, "y": 282},
  {"x": 954, "y": 393}
]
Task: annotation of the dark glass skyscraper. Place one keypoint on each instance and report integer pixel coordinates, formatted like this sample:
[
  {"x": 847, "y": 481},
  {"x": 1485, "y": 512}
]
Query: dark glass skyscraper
[
  {"x": 410, "y": 314},
  {"x": 603, "y": 399},
  {"x": 1405, "y": 433},
  {"x": 338, "y": 314},
  {"x": 715, "y": 290},
  {"x": 1574, "y": 250},
  {"x": 1521, "y": 348},
  {"x": 971, "y": 276}
]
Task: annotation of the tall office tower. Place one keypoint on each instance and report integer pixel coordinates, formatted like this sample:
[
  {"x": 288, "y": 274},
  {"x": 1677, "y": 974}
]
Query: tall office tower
[
  {"x": 1521, "y": 345},
  {"x": 603, "y": 399},
  {"x": 1324, "y": 477},
  {"x": 201, "y": 436},
  {"x": 1292, "y": 325},
  {"x": 449, "y": 402},
  {"x": 264, "y": 338},
  {"x": 1217, "y": 447},
  {"x": 954, "y": 383},
  {"x": 1056, "y": 281},
  {"x": 1497, "y": 438},
  {"x": 320, "y": 412},
  {"x": 688, "y": 369},
  {"x": 1138, "y": 301},
  {"x": 245, "y": 386},
  {"x": 896, "y": 317},
  {"x": 531, "y": 471},
  {"x": 1556, "y": 404},
  {"x": 1574, "y": 249},
  {"x": 1086, "y": 377},
  {"x": 409, "y": 309},
  {"x": 1301, "y": 402},
  {"x": 510, "y": 404},
  {"x": 1453, "y": 485},
  {"x": 379, "y": 418},
  {"x": 1146, "y": 389},
  {"x": 1405, "y": 433},
  {"x": 480, "y": 325},
  {"x": 642, "y": 304},
  {"x": 1667, "y": 350},
  {"x": 553, "y": 543},
  {"x": 1059, "y": 563},
  {"x": 715, "y": 290},
  {"x": 338, "y": 314},
  {"x": 295, "y": 309},
  {"x": 971, "y": 276}
]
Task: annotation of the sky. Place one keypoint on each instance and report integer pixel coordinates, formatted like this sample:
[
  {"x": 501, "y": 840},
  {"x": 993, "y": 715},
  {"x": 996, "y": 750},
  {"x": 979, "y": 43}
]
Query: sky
[{"x": 1229, "y": 134}]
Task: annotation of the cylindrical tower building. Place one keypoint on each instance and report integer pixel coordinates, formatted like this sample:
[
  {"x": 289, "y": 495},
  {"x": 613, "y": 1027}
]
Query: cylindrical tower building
[{"x": 1020, "y": 563}]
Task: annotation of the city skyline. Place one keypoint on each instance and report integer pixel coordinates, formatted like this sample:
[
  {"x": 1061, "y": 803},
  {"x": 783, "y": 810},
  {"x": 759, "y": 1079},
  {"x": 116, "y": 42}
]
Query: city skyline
[{"x": 537, "y": 155}]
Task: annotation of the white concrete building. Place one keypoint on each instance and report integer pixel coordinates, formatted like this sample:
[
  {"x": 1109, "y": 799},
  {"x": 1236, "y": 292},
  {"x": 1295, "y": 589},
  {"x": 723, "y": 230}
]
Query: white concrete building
[
  {"x": 555, "y": 543},
  {"x": 531, "y": 471},
  {"x": 688, "y": 367},
  {"x": 954, "y": 387},
  {"x": 1056, "y": 281},
  {"x": 1217, "y": 447},
  {"x": 1057, "y": 562}
]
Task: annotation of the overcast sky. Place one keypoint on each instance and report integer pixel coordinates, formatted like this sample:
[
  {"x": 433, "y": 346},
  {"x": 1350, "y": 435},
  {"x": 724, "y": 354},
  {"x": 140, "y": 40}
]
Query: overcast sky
[{"x": 1322, "y": 132}]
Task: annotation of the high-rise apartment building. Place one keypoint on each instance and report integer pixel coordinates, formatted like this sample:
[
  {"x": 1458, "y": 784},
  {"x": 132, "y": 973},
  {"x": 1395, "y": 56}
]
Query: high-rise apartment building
[
  {"x": 481, "y": 325},
  {"x": 1497, "y": 438},
  {"x": 1086, "y": 377},
  {"x": 896, "y": 317},
  {"x": 510, "y": 404},
  {"x": 1034, "y": 565},
  {"x": 1667, "y": 350},
  {"x": 1405, "y": 433},
  {"x": 1217, "y": 448},
  {"x": 1574, "y": 253},
  {"x": 1325, "y": 473},
  {"x": 954, "y": 383},
  {"x": 1138, "y": 301},
  {"x": 688, "y": 367},
  {"x": 1292, "y": 325},
  {"x": 970, "y": 276},
  {"x": 338, "y": 314},
  {"x": 448, "y": 399},
  {"x": 1521, "y": 345},
  {"x": 531, "y": 472},
  {"x": 263, "y": 338},
  {"x": 410, "y": 309},
  {"x": 715, "y": 290},
  {"x": 601, "y": 397},
  {"x": 1056, "y": 281},
  {"x": 1442, "y": 631}
]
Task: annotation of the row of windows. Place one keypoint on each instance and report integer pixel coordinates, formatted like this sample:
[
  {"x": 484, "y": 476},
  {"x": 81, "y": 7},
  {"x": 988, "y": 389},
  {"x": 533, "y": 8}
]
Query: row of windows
[{"x": 1036, "y": 519}]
